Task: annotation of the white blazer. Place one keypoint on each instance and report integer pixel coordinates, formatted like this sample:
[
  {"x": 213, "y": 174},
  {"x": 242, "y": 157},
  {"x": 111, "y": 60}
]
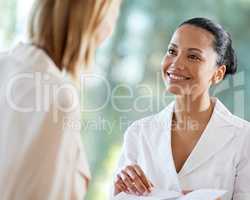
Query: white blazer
[
  {"x": 220, "y": 160},
  {"x": 41, "y": 156}
]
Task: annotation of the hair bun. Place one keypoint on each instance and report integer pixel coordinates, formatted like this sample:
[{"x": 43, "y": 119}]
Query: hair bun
[{"x": 230, "y": 58}]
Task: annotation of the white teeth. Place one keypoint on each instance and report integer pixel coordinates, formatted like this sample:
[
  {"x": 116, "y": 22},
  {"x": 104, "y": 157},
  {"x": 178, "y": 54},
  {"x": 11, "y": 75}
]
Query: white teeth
[{"x": 177, "y": 77}]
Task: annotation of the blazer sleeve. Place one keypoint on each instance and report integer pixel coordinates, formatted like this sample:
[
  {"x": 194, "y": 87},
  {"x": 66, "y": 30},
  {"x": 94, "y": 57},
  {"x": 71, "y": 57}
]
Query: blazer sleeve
[
  {"x": 130, "y": 146},
  {"x": 129, "y": 151},
  {"x": 242, "y": 179},
  {"x": 54, "y": 164}
]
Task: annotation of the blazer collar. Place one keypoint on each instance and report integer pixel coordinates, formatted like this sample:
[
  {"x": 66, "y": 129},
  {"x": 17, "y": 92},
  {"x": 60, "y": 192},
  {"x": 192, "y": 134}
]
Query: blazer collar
[{"x": 219, "y": 131}]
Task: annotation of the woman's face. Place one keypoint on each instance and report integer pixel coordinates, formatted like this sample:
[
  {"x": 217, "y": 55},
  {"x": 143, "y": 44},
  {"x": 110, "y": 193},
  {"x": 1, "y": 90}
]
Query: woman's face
[
  {"x": 189, "y": 66},
  {"x": 107, "y": 26}
]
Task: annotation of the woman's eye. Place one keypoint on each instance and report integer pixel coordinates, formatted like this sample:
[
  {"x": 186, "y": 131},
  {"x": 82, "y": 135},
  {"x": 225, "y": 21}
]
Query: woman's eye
[
  {"x": 171, "y": 52},
  {"x": 193, "y": 57}
]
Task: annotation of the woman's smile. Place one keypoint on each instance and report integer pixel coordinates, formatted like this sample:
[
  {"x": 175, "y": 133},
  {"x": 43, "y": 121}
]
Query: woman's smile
[{"x": 174, "y": 77}]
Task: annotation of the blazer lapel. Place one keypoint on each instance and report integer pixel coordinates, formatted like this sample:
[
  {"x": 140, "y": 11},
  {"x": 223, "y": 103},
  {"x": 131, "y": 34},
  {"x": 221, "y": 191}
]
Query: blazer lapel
[
  {"x": 217, "y": 134},
  {"x": 161, "y": 142}
]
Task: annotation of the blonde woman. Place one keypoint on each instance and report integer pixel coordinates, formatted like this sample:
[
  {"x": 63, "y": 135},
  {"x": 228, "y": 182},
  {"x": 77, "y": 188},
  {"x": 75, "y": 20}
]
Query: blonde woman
[{"x": 41, "y": 155}]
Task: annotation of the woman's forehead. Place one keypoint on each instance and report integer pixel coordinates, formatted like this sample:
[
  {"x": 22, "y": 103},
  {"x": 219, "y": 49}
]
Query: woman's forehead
[{"x": 190, "y": 36}]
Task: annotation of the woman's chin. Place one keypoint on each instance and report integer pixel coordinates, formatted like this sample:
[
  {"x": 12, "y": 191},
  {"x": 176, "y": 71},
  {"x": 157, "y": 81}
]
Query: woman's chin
[{"x": 175, "y": 90}]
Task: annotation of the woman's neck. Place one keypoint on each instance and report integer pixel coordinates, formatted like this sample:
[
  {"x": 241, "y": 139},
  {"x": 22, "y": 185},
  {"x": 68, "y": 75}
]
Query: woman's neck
[{"x": 194, "y": 111}]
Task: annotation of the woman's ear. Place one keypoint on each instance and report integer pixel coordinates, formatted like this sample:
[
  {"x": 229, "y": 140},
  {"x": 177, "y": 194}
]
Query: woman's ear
[{"x": 219, "y": 74}]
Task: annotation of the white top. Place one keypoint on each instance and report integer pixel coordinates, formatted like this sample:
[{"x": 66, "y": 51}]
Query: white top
[
  {"x": 220, "y": 159},
  {"x": 41, "y": 155}
]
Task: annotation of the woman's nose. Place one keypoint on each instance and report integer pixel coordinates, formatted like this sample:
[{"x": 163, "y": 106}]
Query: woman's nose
[
  {"x": 178, "y": 63},
  {"x": 175, "y": 62}
]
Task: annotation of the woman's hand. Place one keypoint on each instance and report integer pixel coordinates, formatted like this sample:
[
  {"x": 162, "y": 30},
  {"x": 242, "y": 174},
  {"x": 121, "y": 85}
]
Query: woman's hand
[{"x": 132, "y": 180}]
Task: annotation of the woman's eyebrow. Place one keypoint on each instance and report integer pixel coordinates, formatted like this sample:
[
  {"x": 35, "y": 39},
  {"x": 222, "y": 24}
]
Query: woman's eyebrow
[
  {"x": 173, "y": 45},
  {"x": 189, "y": 49},
  {"x": 195, "y": 49}
]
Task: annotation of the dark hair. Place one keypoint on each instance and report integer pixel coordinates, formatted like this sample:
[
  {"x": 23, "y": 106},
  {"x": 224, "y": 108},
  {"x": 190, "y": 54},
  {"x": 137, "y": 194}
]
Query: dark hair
[{"x": 222, "y": 43}]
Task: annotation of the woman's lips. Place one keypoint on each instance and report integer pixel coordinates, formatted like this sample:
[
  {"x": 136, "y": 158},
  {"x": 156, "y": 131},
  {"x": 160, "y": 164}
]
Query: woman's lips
[{"x": 175, "y": 77}]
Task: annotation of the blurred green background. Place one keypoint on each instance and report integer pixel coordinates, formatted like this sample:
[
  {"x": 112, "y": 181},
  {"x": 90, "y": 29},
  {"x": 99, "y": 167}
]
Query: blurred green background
[{"x": 128, "y": 67}]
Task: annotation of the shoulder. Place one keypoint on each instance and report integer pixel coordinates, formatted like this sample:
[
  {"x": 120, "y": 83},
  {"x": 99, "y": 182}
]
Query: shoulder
[
  {"x": 239, "y": 122},
  {"x": 242, "y": 133},
  {"x": 35, "y": 76},
  {"x": 241, "y": 126},
  {"x": 229, "y": 119},
  {"x": 241, "y": 130}
]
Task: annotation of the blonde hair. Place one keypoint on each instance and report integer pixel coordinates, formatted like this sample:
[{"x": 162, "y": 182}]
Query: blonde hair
[{"x": 65, "y": 29}]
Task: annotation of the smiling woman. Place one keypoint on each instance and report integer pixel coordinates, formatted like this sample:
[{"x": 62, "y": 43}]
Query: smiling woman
[
  {"x": 191, "y": 61},
  {"x": 159, "y": 152}
]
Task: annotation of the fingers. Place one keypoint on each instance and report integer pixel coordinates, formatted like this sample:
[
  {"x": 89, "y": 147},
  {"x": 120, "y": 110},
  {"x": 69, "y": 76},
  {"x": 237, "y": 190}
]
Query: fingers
[
  {"x": 137, "y": 180},
  {"x": 129, "y": 182},
  {"x": 118, "y": 189},
  {"x": 120, "y": 186},
  {"x": 133, "y": 180},
  {"x": 143, "y": 177}
]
